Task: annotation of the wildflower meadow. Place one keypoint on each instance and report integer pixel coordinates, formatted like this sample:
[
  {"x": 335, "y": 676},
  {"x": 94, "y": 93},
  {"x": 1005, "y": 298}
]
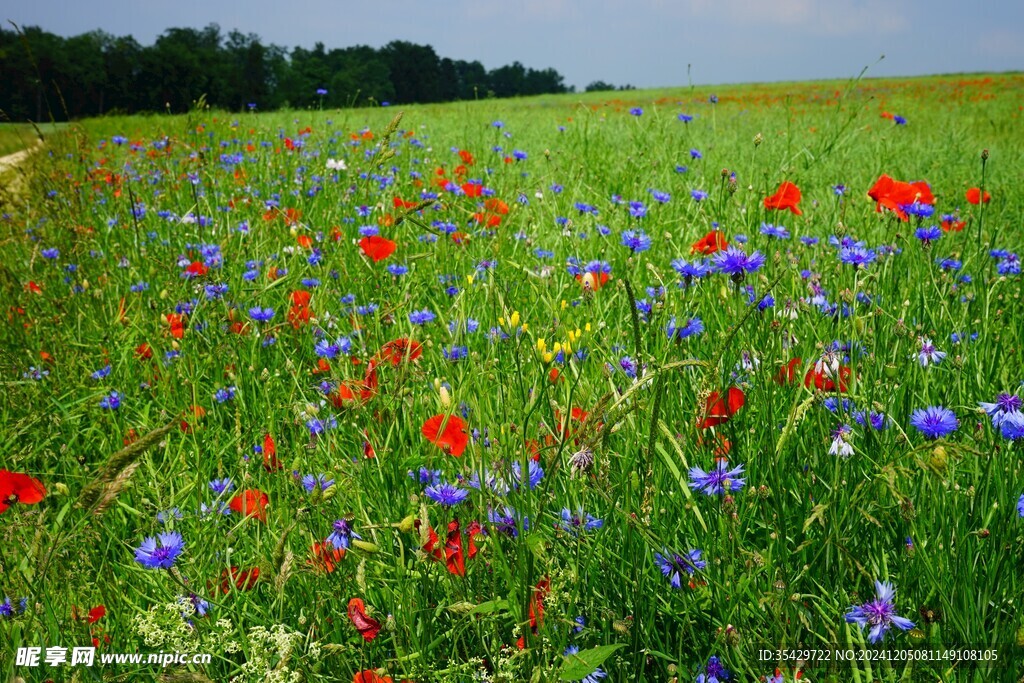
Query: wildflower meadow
[{"x": 690, "y": 385}]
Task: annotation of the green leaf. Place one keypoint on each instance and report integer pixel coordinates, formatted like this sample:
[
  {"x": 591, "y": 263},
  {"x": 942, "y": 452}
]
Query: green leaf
[{"x": 582, "y": 664}]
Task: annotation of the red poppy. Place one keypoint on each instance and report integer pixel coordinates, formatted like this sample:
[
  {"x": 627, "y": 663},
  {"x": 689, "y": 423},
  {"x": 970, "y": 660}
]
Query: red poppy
[
  {"x": 431, "y": 547},
  {"x": 536, "y": 611},
  {"x": 370, "y": 676},
  {"x": 251, "y": 503},
  {"x": 399, "y": 350},
  {"x": 787, "y": 197},
  {"x": 376, "y": 247},
  {"x": 453, "y": 549},
  {"x": 974, "y": 196},
  {"x": 177, "y": 324},
  {"x": 496, "y": 206},
  {"x": 447, "y": 432},
  {"x": 270, "y": 461},
  {"x": 143, "y": 352},
  {"x": 96, "y": 613},
  {"x": 243, "y": 579},
  {"x": 709, "y": 243},
  {"x": 592, "y": 281},
  {"x": 299, "y": 313},
  {"x": 16, "y": 487},
  {"x": 718, "y": 409},
  {"x": 367, "y": 626},
  {"x": 787, "y": 374},
  {"x": 197, "y": 269},
  {"x": 466, "y": 157},
  {"x": 473, "y": 189},
  {"x": 34, "y": 288},
  {"x": 460, "y": 238},
  {"x": 823, "y": 381},
  {"x": 953, "y": 225},
  {"x": 324, "y": 556},
  {"x": 474, "y": 532},
  {"x": 895, "y": 195}
]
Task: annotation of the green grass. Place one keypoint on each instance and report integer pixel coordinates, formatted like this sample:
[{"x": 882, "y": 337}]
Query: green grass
[{"x": 787, "y": 555}]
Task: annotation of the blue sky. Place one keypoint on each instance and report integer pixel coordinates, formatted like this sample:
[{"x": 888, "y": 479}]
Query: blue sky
[{"x": 646, "y": 43}]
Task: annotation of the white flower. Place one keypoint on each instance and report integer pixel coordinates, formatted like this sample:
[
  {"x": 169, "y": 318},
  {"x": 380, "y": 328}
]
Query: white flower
[{"x": 336, "y": 165}]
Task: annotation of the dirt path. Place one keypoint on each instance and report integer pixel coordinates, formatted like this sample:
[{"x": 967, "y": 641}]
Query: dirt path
[
  {"x": 11, "y": 161},
  {"x": 12, "y": 182}
]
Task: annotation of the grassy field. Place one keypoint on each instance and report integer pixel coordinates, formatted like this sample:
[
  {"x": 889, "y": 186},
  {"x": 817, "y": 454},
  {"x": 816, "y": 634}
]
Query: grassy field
[{"x": 569, "y": 388}]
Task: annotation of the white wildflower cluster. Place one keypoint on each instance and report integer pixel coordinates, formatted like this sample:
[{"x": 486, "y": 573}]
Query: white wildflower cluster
[
  {"x": 268, "y": 653},
  {"x": 165, "y": 627}
]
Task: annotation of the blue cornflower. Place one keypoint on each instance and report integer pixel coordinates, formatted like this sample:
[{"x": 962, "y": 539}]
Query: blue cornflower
[
  {"x": 51, "y": 253},
  {"x": 455, "y": 353},
  {"x": 865, "y": 419},
  {"x": 929, "y": 354},
  {"x": 636, "y": 240},
  {"x": 534, "y": 471},
  {"x": 928, "y": 234},
  {"x": 1020, "y": 505},
  {"x": 224, "y": 394},
  {"x": 628, "y": 366},
  {"x": 222, "y": 486},
  {"x": 342, "y": 535},
  {"x": 636, "y": 111},
  {"x": 7, "y": 608},
  {"x": 312, "y": 482},
  {"x": 713, "y": 672},
  {"x": 421, "y": 317},
  {"x": 695, "y": 154},
  {"x": 713, "y": 99},
  {"x": 949, "y": 263},
  {"x": 899, "y": 120},
  {"x": 718, "y": 480},
  {"x": 690, "y": 271},
  {"x": 321, "y": 91},
  {"x": 263, "y": 315},
  {"x": 685, "y": 118},
  {"x": 839, "y": 190},
  {"x": 581, "y": 521},
  {"x": 692, "y": 327},
  {"x": 776, "y": 231},
  {"x": 102, "y": 372},
  {"x": 879, "y": 614},
  {"x": 213, "y": 292},
  {"x": 661, "y": 197},
  {"x": 1012, "y": 427},
  {"x": 593, "y": 677},
  {"x": 919, "y": 210},
  {"x": 858, "y": 257},
  {"x": 673, "y": 565},
  {"x": 735, "y": 262},
  {"x": 446, "y": 494},
  {"x": 698, "y": 195},
  {"x": 637, "y": 209},
  {"x": 505, "y": 521},
  {"x": 152, "y": 555},
  {"x": 1009, "y": 265},
  {"x": 111, "y": 401},
  {"x": 325, "y": 349},
  {"x": 397, "y": 269},
  {"x": 1004, "y": 406},
  {"x": 934, "y": 421},
  {"x": 427, "y": 476}
]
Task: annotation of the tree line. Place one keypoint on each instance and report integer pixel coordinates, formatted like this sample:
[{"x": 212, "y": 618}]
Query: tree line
[{"x": 93, "y": 74}]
